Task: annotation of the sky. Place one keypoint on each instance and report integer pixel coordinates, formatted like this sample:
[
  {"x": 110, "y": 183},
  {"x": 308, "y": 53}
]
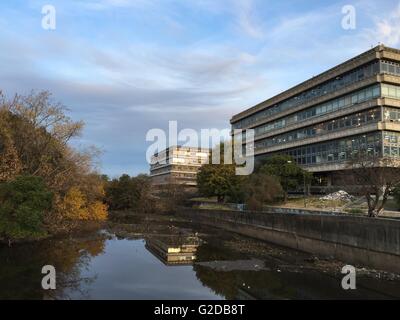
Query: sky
[{"x": 128, "y": 66}]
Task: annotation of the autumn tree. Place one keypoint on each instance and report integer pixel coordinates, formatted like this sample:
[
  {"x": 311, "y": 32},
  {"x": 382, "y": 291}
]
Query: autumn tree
[
  {"x": 34, "y": 140},
  {"x": 10, "y": 165}
]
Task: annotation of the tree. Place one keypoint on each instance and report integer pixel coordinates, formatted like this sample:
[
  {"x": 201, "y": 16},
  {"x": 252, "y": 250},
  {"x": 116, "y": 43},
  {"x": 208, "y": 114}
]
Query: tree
[
  {"x": 34, "y": 140},
  {"x": 171, "y": 196},
  {"x": 128, "y": 193},
  {"x": 10, "y": 165},
  {"x": 261, "y": 189},
  {"x": 376, "y": 178},
  {"x": 23, "y": 204},
  {"x": 219, "y": 180},
  {"x": 289, "y": 174}
]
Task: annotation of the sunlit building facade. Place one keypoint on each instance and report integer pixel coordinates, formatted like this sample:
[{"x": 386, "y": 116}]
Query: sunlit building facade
[
  {"x": 324, "y": 120},
  {"x": 178, "y": 165}
]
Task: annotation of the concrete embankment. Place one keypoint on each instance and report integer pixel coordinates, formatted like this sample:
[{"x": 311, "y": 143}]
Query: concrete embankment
[{"x": 354, "y": 240}]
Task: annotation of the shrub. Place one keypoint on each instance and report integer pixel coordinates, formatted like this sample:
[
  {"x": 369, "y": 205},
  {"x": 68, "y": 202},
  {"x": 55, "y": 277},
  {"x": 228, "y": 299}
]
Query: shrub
[
  {"x": 97, "y": 211},
  {"x": 23, "y": 204},
  {"x": 261, "y": 189},
  {"x": 75, "y": 207}
]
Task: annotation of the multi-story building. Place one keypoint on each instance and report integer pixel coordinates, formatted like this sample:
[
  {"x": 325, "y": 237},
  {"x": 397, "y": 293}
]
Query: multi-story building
[
  {"x": 324, "y": 120},
  {"x": 178, "y": 165}
]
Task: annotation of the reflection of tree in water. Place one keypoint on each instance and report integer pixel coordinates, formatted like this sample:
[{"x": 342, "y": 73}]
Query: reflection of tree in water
[
  {"x": 21, "y": 265},
  {"x": 232, "y": 284}
]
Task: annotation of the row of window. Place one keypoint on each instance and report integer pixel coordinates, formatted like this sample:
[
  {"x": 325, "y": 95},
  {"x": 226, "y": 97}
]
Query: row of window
[
  {"x": 184, "y": 175},
  {"x": 330, "y": 86},
  {"x": 350, "y": 121},
  {"x": 338, "y": 83},
  {"x": 328, "y": 107},
  {"x": 337, "y": 150},
  {"x": 390, "y": 67}
]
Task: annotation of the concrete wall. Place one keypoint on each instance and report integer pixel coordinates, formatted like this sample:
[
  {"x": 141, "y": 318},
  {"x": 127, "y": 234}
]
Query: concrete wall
[{"x": 353, "y": 240}]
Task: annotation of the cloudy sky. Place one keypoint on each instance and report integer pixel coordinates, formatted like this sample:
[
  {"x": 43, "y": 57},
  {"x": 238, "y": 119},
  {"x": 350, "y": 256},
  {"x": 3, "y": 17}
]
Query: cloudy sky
[{"x": 127, "y": 66}]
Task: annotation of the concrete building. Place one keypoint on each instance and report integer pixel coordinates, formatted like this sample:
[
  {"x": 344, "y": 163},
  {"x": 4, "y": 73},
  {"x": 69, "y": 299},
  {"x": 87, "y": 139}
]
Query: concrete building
[
  {"x": 324, "y": 120},
  {"x": 178, "y": 165}
]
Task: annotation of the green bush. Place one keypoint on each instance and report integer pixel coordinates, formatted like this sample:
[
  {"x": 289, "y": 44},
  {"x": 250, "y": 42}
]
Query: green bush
[{"x": 23, "y": 203}]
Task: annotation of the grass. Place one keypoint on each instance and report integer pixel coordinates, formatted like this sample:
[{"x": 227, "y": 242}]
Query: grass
[{"x": 357, "y": 207}]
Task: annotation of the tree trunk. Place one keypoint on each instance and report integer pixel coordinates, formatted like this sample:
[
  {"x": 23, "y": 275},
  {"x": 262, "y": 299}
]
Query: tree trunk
[
  {"x": 371, "y": 206},
  {"x": 385, "y": 196},
  {"x": 372, "y": 213},
  {"x": 220, "y": 199},
  {"x": 285, "y": 196}
]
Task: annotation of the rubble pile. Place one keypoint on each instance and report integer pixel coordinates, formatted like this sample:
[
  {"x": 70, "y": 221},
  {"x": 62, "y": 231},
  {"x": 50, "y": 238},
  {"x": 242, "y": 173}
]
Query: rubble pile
[{"x": 338, "y": 195}]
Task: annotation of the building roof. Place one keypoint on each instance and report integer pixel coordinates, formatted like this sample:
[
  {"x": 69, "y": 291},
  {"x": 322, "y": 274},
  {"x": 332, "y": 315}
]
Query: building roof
[{"x": 378, "y": 52}]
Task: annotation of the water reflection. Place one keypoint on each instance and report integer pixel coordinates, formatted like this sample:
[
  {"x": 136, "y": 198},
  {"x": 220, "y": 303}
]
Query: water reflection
[
  {"x": 174, "y": 250},
  {"x": 20, "y": 267},
  {"x": 105, "y": 267}
]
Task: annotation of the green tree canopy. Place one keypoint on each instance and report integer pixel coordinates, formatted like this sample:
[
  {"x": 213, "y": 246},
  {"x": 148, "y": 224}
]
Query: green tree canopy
[
  {"x": 23, "y": 203},
  {"x": 129, "y": 193},
  {"x": 288, "y": 172},
  {"x": 219, "y": 180}
]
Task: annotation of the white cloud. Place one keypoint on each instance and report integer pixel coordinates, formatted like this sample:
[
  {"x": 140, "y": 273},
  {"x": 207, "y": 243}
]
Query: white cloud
[
  {"x": 387, "y": 30},
  {"x": 247, "y": 19}
]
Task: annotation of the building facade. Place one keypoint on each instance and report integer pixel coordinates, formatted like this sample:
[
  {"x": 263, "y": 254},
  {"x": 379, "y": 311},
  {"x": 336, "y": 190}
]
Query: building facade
[
  {"x": 324, "y": 120},
  {"x": 178, "y": 165}
]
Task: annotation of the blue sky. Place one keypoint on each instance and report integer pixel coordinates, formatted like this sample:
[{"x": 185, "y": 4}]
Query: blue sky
[{"x": 127, "y": 66}]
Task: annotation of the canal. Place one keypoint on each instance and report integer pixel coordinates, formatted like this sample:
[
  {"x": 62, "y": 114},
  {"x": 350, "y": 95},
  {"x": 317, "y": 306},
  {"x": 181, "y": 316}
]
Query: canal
[{"x": 164, "y": 258}]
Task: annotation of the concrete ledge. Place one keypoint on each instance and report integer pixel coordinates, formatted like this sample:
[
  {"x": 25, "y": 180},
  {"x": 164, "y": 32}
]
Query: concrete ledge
[{"x": 353, "y": 240}]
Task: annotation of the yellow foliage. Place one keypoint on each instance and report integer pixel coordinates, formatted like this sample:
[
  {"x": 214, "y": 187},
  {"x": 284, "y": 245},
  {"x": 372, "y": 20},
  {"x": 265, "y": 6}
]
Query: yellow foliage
[
  {"x": 97, "y": 211},
  {"x": 76, "y": 207}
]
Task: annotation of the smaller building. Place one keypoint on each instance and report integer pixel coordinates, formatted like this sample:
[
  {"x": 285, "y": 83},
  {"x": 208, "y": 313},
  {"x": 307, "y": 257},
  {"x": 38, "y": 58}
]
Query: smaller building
[{"x": 178, "y": 165}]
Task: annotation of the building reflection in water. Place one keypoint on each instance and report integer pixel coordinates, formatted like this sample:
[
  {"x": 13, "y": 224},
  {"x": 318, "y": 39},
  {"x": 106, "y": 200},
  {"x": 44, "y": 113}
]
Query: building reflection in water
[{"x": 174, "y": 250}]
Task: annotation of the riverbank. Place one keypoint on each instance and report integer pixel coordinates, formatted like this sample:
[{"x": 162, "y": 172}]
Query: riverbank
[
  {"x": 149, "y": 225},
  {"x": 80, "y": 228},
  {"x": 356, "y": 240}
]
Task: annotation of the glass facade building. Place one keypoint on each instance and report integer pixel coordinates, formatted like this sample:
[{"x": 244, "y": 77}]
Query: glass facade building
[{"x": 323, "y": 121}]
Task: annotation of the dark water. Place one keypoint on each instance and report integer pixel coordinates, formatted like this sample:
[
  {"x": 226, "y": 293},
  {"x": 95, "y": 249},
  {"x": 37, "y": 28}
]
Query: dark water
[{"x": 110, "y": 268}]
